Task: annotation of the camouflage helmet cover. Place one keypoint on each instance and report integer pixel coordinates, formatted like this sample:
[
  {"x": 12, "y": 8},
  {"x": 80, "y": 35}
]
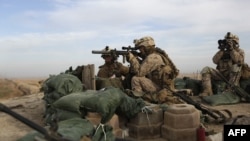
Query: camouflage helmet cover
[
  {"x": 231, "y": 36},
  {"x": 146, "y": 41},
  {"x": 106, "y": 51}
]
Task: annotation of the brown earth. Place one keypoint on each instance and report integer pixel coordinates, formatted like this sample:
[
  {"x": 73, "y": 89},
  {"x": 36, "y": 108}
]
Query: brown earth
[
  {"x": 24, "y": 97},
  {"x": 10, "y": 88}
]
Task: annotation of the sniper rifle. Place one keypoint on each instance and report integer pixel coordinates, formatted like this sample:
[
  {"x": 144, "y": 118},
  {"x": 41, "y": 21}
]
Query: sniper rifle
[
  {"x": 115, "y": 53},
  {"x": 129, "y": 48}
]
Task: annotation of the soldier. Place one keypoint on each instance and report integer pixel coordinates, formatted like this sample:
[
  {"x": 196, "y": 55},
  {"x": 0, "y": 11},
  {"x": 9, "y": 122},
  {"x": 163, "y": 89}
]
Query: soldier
[
  {"x": 154, "y": 73},
  {"x": 229, "y": 60},
  {"x": 111, "y": 68}
]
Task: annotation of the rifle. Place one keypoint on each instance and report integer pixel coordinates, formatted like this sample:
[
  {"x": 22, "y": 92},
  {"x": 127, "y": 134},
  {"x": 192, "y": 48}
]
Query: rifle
[
  {"x": 134, "y": 52},
  {"x": 52, "y": 136},
  {"x": 129, "y": 48},
  {"x": 114, "y": 53},
  {"x": 236, "y": 89},
  {"x": 215, "y": 114}
]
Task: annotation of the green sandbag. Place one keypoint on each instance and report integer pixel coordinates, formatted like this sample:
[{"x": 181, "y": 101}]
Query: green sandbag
[
  {"x": 188, "y": 83},
  {"x": 60, "y": 115},
  {"x": 60, "y": 85},
  {"x": 76, "y": 128},
  {"x": 74, "y": 101},
  {"x": 194, "y": 85},
  {"x": 224, "y": 98},
  {"x": 103, "y": 133},
  {"x": 179, "y": 83},
  {"x": 105, "y": 102},
  {"x": 73, "y": 129},
  {"x": 244, "y": 83}
]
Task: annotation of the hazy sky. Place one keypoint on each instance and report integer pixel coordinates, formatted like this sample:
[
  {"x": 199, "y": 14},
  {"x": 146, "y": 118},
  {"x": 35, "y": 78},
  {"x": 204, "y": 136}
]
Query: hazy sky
[{"x": 43, "y": 37}]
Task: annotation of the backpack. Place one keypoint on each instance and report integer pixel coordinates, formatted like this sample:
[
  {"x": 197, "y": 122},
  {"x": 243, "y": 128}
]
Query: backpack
[{"x": 167, "y": 60}]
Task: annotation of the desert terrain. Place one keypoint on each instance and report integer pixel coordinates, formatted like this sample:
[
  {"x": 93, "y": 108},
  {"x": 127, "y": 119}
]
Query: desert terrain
[{"x": 24, "y": 97}]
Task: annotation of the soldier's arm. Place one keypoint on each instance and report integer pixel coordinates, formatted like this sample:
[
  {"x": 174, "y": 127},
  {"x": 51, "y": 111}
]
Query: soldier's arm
[
  {"x": 151, "y": 63},
  {"x": 218, "y": 56},
  {"x": 237, "y": 56},
  {"x": 124, "y": 70}
]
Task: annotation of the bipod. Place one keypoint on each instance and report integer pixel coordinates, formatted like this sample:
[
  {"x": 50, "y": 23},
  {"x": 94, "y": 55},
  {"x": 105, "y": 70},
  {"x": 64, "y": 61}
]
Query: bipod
[{"x": 49, "y": 136}]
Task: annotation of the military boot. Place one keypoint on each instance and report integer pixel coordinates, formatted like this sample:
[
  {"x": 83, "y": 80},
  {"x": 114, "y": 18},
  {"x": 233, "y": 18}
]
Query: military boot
[{"x": 206, "y": 85}]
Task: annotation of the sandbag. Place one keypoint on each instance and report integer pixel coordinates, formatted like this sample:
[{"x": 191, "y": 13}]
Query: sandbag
[
  {"x": 224, "y": 98},
  {"x": 106, "y": 102},
  {"x": 73, "y": 129},
  {"x": 60, "y": 85},
  {"x": 179, "y": 83},
  {"x": 60, "y": 115},
  {"x": 194, "y": 85},
  {"x": 244, "y": 83},
  {"x": 103, "y": 133},
  {"x": 188, "y": 83}
]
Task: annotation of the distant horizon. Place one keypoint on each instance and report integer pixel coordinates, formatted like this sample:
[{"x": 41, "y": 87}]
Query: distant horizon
[{"x": 47, "y": 76}]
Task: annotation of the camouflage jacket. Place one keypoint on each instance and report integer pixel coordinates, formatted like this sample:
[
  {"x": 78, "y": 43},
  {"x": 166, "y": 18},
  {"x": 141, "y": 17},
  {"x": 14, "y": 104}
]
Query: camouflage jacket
[
  {"x": 108, "y": 70},
  {"x": 225, "y": 59},
  {"x": 151, "y": 67}
]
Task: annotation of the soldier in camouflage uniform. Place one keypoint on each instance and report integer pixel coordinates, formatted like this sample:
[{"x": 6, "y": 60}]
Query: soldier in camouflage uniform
[
  {"x": 111, "y": 68},
  {"x": 155, "y": 73},
  {"x": 229, "y": 60}
]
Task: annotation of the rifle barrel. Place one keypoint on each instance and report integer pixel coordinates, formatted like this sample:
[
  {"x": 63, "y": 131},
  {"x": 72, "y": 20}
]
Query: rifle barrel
[
  {"x": 26, "y": 121},
  {"x": 32, "y": 124},
  {"x": 117, "y": 52},
  {"x": 99, "y": 52}
]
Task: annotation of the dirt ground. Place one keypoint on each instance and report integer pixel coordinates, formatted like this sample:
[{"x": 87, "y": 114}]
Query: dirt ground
[{"x": 31, "y": 106}]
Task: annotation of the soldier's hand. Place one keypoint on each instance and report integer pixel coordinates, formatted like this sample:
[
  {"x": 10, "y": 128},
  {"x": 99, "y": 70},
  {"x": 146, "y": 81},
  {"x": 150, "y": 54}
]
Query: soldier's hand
[
  {"x": 230, "y": 45},
  {"x": 129, "y": 56}
]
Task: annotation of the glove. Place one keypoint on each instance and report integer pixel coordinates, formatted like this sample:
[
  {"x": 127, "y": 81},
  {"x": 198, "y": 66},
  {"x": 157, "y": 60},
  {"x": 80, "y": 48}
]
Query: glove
[
  {"x": 230, "y": 45},
  {"x": 129, "y": 57}
]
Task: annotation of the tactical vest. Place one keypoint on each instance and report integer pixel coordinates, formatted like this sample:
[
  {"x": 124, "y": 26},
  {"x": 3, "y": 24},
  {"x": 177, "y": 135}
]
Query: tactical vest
[
  {"x": 166, "y": 74},
  {"x": 225, "y": 64}
]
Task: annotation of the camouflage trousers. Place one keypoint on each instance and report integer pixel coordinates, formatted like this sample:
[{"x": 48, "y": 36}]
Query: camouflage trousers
[
  {"x": 143, "y": 84},
  {"x": 164, "y": 96},
  {"x": 152, "y": 93}
]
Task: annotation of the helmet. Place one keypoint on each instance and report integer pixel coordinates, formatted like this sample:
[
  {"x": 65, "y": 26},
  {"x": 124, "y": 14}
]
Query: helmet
[
  {"x": 233, "y": 37},
  {"x": 146, "y": 41},
  {"x": 106, "y": 51}
]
